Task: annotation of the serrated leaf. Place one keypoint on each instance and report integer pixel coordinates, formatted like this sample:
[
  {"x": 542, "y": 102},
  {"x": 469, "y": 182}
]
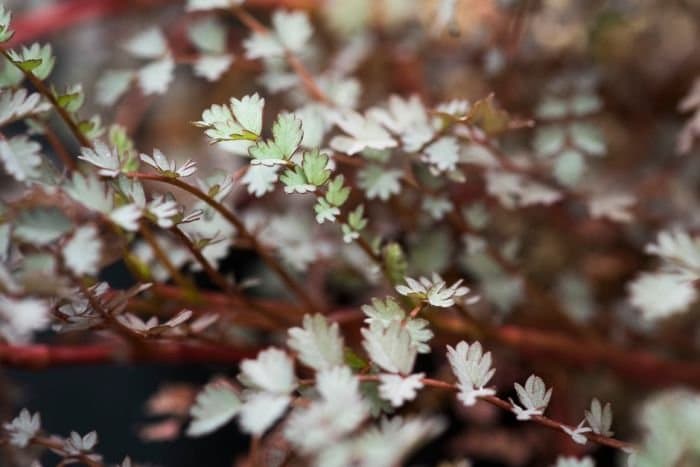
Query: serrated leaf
[
  {"x": 155, "y": 77},
  {"x": 215, "y": 406},
  {"x": 395, "y": 262},
  {"x": 82, "y": 251},
  {"x": 318, "y": 344},
  {"x": 35, "y": 59},
  {"x": 112, "y": 85},
  {"x": 20, "y": 157},
  {"x": 315, "y": 167},
  {"x": 295, "y": 181},
  {"x": 41, "y": 226},
  {"x": 16, "y": 104},
  {"x": 287, "y": 134},
  {"x": 5, "y": 17},
  {"x": 337, "y": 194}
]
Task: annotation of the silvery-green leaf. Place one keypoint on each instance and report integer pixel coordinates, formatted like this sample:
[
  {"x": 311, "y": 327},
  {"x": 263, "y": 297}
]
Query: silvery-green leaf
[
  {"x": 443, "y": 154},
  {"x": 379, "y": 182},
  {"x": 390, "y": 347},
  {"x": 260, "y": 179},
  {"x": 287, "y": 134},
  {"x": 318, "y": 344},
  {"x": 20, "y": 157},
  {"x": 261, "y": 410},
  {"x": 81, "y": 253},
  {"x": 35, "y": 59},
  {"x": 150, "y": 43},
  {"x": 5, "y": 17},
  {"x": 211, "y": 67},
  {"x": 41, "y": 226},
  {"x": 569, "y": 167},
  {"x": 17, "y": 104},
  {"x": 271, "y": 371},
  {"x": 112, "y": 85},
  {"x": 215, "y": 406},
  {"x": 208, "y": 35},
  {"x": 293, "y": 29},
  {"x": 155, "y": 77},
  {"x": 398, "y": 389},
  {"x": 201, "y": 5}
]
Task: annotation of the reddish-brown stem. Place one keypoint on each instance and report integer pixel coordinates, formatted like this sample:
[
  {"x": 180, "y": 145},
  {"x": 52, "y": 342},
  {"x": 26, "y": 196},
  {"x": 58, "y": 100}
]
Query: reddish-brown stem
[
  {"x": 57, "y": 445},
  {"x": 40, "y": 356},
  {"x": 211, "y": 273},
  {"x": 294, "y": 62},
  {"x": 42, "y": 89},
  {"x": 163, "y": 259},
  {"x": 52, "y": 18},
  {"x": 271, "y": 262},
  {"x": 505, "y": 405}
]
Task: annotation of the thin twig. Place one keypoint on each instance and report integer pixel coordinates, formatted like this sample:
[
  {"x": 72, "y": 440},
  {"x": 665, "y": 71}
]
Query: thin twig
[{"x": 286, "y": 278}]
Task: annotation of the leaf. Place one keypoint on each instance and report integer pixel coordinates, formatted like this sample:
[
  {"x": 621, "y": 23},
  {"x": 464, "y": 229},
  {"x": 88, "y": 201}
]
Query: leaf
[
  {"x": 248, "y": 112},
  {"x": 394, "y": 262},
  {"x": 488, "y": 116},
  {"x": 390, "y": 347},
  {"x": 261, "y": 410},
  {"x": 202, "y": 5},
  {"x": 293, "y": 29},
  {"x": 600, "y": 418},
  {"x": 155, "y": 77},
  {"x": 356, "y": 219},
  {"x": 328, "y": 420},
  {"x": 127, "y": 217},
  {"x": 211, "y": 67},
  {"x": 21, "y": 157},
  {"x": 325, "y": 212},
  {"x": 398, "y": 389},
  {"x": 104, "y": 158},
  {"x": 112, "y": 85},
  {"x": 82, "y": 251},
  {"x": 35, "y": 59},
  {"x": 207, "y": 35},
  {"x": 659, "y": 295},
  {"x": 150, "y": 43},
  {"x": 18, "y": 104},
  {"x": 295, "y": 181},
  {"x": 287, "y": 134},
  {"x": 5, "y": 17},
  {"x": 260, "y": 179},
  {"x": 314, "y": 166},
  {"x": 337, "y": 194},
  {"x": 271, "y": 371},
  {"x": 379, "y": 182},
  {"x": 443, "y": 154},
  {"x": 318, "y": 344},
  {"x": 214, "y": 406},
  {"x": 41, "y": 226},
  {"x": 23, "y": 428}
]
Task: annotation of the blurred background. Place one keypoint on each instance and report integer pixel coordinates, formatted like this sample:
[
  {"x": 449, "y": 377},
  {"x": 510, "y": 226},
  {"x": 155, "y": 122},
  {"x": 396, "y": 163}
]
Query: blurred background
[{"x": 639, "y": 57}]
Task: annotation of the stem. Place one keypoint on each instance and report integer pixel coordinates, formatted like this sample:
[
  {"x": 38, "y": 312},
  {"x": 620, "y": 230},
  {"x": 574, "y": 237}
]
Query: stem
[
  {"x": 505, "y": 405},
  {"x": 46, "y": 92},
  {"x": 56, "y": 445},
  {"x": 286, "y": 278},
  {"x": 163, "y": 258},
  {"x": 293, "y": 61},
  {"x": 41, "y": 356},
  {"x": 212, "y": 273}
]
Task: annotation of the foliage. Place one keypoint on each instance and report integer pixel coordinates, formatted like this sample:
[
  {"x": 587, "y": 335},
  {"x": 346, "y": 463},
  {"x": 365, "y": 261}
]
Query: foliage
[{"x": 393, "y": 208}]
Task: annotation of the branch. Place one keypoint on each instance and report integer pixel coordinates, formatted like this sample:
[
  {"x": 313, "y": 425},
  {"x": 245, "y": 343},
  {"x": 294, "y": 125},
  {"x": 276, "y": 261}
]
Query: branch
[
  {"x": 288, "y": 280},
  {"x": 40, "y": 356},
  {"x": 45, "y": 20}
]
